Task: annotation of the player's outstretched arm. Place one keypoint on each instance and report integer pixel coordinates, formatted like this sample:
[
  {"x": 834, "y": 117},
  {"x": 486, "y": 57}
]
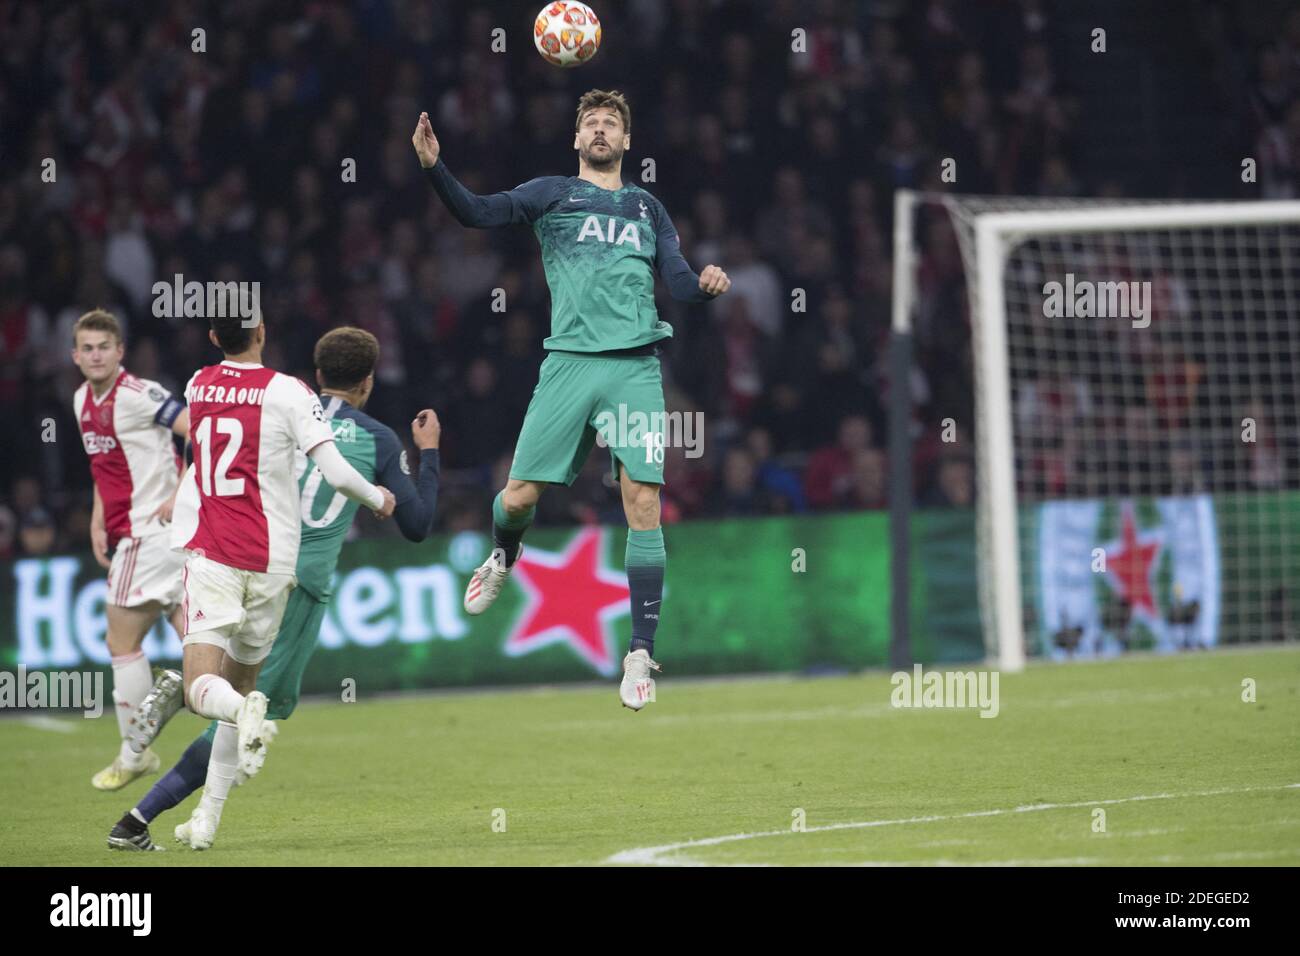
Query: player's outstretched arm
[
  {"x": 313, "y": 435},
  {"x": 682, "y": 282},
  {"x": 349, "y": 482},
  {"x": 425, "y": 143},
  {"x": 416, "y": 501},
  {"x": 522, "y": 204}
]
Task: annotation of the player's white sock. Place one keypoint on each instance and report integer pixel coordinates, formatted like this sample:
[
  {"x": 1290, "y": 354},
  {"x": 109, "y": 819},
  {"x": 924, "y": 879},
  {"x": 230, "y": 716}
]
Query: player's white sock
[
  {"x": 131, "y": 681},
  {"x": 221, "y": 768},
  {"x": 212, "y": 696}
]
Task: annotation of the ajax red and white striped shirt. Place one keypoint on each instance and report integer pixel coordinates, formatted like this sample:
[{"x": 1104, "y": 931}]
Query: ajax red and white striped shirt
[
  {"x": 246, "y": 423},
  {"x": 128, "y": 435}
]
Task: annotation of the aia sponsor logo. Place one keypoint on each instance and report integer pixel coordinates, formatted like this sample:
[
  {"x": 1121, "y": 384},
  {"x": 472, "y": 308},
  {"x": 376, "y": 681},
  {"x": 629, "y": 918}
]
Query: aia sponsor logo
[{"x": 592, "y": 228}]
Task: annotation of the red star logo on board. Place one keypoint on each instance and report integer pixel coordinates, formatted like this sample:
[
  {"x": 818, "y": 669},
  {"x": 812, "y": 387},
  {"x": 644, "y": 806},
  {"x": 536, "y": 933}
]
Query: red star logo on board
[
  {"x": 1130, "y": 568},
  {"x": 571, "y": 598}
]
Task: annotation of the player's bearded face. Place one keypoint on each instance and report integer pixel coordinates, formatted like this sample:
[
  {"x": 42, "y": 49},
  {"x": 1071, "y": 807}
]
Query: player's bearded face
[{"x": 602, "y": 151}]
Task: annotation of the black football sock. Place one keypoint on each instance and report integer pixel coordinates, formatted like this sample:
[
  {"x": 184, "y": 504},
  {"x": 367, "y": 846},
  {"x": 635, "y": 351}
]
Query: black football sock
[
  {"x": 131, "y": 824},
  {"x": 645, "y": 560},
  {"x": 508, "y": 530}
]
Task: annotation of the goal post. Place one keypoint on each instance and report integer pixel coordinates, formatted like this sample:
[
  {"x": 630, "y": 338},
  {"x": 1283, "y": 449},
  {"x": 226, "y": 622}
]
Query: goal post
[
  {"x": 999, "y": 524},
  {"x": 900, "y": 436},
  {"x": 1121, "y": 352}
]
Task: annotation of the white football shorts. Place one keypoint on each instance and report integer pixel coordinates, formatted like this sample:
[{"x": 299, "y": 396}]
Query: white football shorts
[
  {"x": 144, "y": 570},
  {"x": 237, "y": 610}
]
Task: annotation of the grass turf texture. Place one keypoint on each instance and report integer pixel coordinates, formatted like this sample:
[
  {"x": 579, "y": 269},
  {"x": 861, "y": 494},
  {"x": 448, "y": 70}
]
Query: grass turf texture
[{"x": 415, "y": 780}]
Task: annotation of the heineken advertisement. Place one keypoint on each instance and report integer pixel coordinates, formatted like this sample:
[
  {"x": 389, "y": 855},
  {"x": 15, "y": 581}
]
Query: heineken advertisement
[
  {"x": 1158, "y": 574},
  {"x": 773, "y": 594},
  {"x": 944, "y": 604}
]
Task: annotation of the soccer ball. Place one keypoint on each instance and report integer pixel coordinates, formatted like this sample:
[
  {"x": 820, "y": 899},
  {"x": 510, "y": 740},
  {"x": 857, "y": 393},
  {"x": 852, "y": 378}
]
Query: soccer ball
[{"x": 567, "y": 33}]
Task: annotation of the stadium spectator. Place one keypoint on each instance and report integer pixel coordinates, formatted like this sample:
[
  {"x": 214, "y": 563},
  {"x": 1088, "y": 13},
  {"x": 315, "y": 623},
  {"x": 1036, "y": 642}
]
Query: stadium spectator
[
  {"x": 868, "y": 485},
  {"x": 9, "y": 531},
  {"x": 954, "y": 484},
  {"x": 737, "y": 493},
  {"x": 829, "y": 480},
  {"x": 36, "y": 533},
  {"x": 229, "y": 164},
  {"x": 780, "y": 484}
]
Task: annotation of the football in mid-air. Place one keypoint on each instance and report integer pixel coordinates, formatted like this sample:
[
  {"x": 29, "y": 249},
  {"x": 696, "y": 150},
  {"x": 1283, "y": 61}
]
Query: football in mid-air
[{"x": 567, "y": 33}]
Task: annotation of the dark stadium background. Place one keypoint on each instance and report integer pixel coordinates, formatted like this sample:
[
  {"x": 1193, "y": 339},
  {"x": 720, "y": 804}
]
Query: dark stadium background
[{"x": 779, "y": 167}]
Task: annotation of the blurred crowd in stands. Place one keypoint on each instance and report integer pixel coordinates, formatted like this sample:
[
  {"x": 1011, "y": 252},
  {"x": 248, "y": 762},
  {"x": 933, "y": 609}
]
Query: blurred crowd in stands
[{"x": 131, "y": 156}]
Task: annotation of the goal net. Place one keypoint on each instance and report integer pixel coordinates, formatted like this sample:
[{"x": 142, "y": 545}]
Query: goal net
[{"x": 1136, "y": 420}]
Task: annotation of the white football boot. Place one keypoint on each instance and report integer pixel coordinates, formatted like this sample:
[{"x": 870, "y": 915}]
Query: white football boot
[
  {"x": 199, "y": 832},
  {"x": 118, "y": 774},
  {"x": 163, "y": 701},
  {"x": 255, "y": 735},
  {"x": 485, "y": 584},
  {"x": 638, "y": 687}
]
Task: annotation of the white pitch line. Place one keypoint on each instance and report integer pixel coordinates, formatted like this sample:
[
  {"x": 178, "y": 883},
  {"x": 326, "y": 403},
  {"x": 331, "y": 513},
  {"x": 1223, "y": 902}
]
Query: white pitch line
[
  {"x": 1086, "y": 860},
  {"x": 878, "y": 709},
  {"x": 1059, "y": 861},
  {"x": 49, "y": 723},
  {"x": 655, "y": 855}
]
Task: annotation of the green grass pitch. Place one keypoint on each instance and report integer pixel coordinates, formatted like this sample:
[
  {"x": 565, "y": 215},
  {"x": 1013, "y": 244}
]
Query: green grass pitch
[{"x": 1184, "y": 770}]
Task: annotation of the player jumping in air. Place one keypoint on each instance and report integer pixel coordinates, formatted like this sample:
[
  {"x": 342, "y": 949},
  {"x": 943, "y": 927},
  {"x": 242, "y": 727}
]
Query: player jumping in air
[
  {"x": 602, "y": 241},
  {"x": 345, "y": 364},
  {"x": 126, "y": 426},
  {"x": 238, "y": 516}
]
